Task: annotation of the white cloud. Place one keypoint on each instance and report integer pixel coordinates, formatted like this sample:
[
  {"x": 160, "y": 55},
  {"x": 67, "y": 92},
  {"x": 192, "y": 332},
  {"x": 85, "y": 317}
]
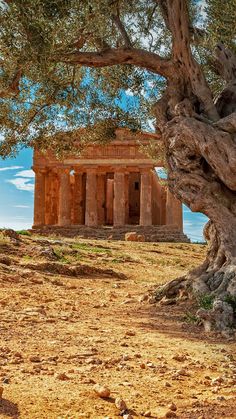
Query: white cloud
[
  {"x": 129, "y": 92},
  {"x": 22, "y": 184},
  {"x": 21, "y": 206},
  {"x": 3, "y": 169},
  {"x": 151, "y": 123},
  {"x": 25, "y": 173}
]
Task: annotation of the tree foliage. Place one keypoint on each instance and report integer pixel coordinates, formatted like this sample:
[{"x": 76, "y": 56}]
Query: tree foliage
[{"x": 44, "y": 89}]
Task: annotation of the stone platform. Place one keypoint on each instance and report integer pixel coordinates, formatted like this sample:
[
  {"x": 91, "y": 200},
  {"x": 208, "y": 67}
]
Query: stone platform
[{"x": 151, "y": 233}]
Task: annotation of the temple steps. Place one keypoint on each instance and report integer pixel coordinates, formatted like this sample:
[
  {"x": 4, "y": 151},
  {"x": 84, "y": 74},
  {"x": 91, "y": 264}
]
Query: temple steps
[{"x": 151, "y": 233}]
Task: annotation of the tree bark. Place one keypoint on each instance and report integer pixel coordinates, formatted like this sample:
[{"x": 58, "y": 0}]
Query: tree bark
[{"x": 200, "y": 143}]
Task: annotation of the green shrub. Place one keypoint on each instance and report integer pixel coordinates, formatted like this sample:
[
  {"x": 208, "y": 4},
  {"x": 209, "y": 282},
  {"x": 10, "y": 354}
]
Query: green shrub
[
  {"x": 191, "y": 318},
  {"x": 206, "y": 301},
  {"x": 23, "y": 232}
]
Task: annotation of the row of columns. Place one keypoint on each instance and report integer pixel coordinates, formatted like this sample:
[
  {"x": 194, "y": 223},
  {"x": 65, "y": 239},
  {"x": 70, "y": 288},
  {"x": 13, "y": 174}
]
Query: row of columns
[{"x": 53, "y": 191}]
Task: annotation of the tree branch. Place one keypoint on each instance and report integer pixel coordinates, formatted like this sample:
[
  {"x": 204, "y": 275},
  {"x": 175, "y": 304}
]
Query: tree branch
[
  {"x": 112, "y": 56},
  {"x": 178, "y": 21},
  {"x": 225, "y": 63},
  {"x": 116, "y": 19},
  {"x": 13, "y": 88}
]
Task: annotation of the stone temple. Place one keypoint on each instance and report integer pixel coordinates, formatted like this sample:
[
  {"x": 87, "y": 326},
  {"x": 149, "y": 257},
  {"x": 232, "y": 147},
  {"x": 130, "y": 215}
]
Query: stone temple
[{"x": 106, "y": 191}]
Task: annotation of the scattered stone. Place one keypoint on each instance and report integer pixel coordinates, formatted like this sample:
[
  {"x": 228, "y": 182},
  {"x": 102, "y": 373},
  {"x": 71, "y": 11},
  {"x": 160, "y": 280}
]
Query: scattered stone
[
  {"x": 120, "y": 404},
  {"x": 34, "y": 358},
  {"x": 179, "y": 357},
  {"x": 48, "y": 253},
  {"x": 150, "y": 365},
  {"x": 170, "y": 414},
  {"x": 5, "y": 260},
  {"x": 183, "y": 372},
  {"x": 128, "y": 416},
  {"x": 147, "y": 414},
  {"x": 88, "y": 381},
  {"x": 217, "y": 381},
  {"x": 220, "y": 398},
  {"x": 134, "y": 237},
  {"x": 130, "y": 333},
  {"x": 62, "y": 376},
  {"x": 102, "y": 391},
  {"x": 172, "y": 407},
  {"x": 5, "y": 380}
]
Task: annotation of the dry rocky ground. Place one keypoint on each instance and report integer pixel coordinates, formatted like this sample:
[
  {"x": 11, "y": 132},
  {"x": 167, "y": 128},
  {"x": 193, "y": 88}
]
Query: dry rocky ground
[{"x": 74, "y": 314}]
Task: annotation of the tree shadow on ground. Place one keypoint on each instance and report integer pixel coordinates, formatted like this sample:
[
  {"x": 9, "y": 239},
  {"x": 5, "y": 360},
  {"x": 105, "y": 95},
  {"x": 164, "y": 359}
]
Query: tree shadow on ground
[
  {"x": 9, "y": 409},
  {"x": 174, "y": 322}
]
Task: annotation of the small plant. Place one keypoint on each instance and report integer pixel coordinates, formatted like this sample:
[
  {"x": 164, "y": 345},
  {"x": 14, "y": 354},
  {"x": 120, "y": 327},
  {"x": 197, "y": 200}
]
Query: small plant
[
  {"x": 4, "y": 239},
  {"x": 26, "y": 257},
  {"x": 91, "y": 248},
  {"x": 191, "y": 318},
  {"x": 58, "y": 251},
  {"x": 206, "y": 301},
  {"x": 23, "y": 232}
]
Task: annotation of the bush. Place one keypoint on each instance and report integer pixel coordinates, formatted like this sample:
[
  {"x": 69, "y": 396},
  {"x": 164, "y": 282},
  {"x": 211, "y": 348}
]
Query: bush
[
  {"x": 206, "y": 301},
  {"x": 23, "y": 232}
]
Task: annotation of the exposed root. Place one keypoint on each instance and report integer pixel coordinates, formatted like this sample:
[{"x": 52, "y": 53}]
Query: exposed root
[{"x": 219, "y": 286}]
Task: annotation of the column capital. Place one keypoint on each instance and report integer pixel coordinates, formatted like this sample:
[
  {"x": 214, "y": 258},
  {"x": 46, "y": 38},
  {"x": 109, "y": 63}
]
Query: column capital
[
  {"x": 64, "y": 170},
  {"x": 78, "y": 170},
  {"x": 120, "y": 169},
  {"x": 146, "y": 169},
  {"x": 93, "y": 170},
  {"x": 40, "y": 170}
]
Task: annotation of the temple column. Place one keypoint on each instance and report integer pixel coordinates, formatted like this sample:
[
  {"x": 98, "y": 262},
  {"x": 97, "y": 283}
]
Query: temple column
[
  {"x": 78, "y": 198},
  {"x": 51, "y": 199},
  {"x": 91, "y": 216},
  {"x": 48, "y": 180},
  {"x": 39, "y": 197},
  {"x": 127, "y": 198},
  {"x": 146, "y": 198},
  {"x": 163, "y": 206},
  {"x": 174, "y": 213},
  {"x": 119, "y": 199},
  {"x": 64, "y": 205}
]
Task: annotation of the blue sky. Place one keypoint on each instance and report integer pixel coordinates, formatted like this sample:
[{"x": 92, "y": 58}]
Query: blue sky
[{"x": 17, "y": 196}]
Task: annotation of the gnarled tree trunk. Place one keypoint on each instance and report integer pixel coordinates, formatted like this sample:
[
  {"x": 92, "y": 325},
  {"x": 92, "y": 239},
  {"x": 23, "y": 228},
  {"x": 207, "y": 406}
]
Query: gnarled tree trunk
[{"x": 200, "y": 142}]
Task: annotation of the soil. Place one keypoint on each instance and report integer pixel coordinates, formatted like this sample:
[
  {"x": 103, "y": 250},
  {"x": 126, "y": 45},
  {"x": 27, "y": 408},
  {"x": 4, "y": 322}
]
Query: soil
[{"x": 74, "y": 313}]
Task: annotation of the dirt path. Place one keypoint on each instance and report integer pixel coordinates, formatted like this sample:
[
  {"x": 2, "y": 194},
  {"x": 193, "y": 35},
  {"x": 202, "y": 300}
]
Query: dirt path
[{"x": 61, "y": 334}]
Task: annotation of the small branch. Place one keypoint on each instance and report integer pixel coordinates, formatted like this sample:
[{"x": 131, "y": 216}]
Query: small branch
[
  {"x": 116, "y": 19},
  {"x": 189, "y": 70},
  {"x": 164, "y": 12},
  {"x": 225, "y": 63},
  {"x": 13, "y": 88},
  {"x": 36, "y": 113}
]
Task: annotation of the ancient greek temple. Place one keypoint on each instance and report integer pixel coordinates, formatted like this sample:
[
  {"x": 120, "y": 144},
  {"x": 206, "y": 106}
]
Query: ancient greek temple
[{"x": 107, "y": 185}]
